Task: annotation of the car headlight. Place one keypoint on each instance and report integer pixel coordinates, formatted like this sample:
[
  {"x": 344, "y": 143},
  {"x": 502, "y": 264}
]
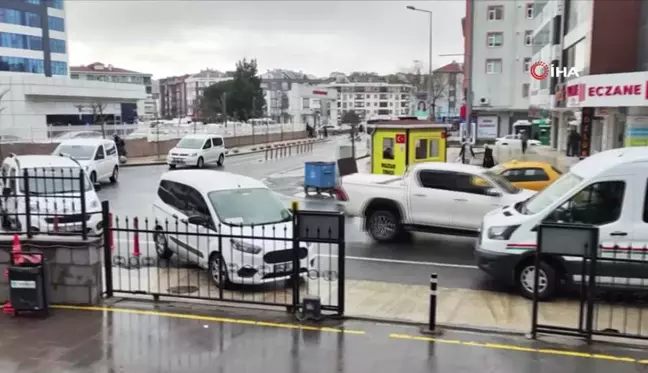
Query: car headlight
[
  {"x": 501, "y": 233},
  {"x": 245, "y": 247},
  {"x": 194, "y": 154},
  {"x": 87, "y": 168}
]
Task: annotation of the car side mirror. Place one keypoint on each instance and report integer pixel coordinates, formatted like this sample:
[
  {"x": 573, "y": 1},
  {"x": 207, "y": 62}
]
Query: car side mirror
[
  {"x": 6, "y": 192},
  {"x": 97, "y": 187},
  {"x": 197, "y": 220},
  {"x": 493, "y": 192}
]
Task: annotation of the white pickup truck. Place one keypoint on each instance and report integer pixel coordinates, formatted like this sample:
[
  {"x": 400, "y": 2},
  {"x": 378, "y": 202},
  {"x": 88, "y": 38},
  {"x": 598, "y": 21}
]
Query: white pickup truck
[{"x": 449, "y": 198}]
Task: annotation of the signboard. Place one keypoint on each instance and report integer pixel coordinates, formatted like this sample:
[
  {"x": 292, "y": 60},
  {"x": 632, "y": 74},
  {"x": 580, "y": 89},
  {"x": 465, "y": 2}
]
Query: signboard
[
  {"x": 421, "y": 109},
  {"x": 487, "y": 127},
  {"x": 587, "y": 114},
  {"x": 609, "y": 90},
  {"x": 636, "y": 131},
  {"x": 400, "y": 138}
]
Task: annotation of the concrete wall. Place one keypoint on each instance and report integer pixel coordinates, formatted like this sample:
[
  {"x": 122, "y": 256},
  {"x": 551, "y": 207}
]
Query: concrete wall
[
  {"x": 73, "y": 268},
  {"x": 145, "y": 148}
]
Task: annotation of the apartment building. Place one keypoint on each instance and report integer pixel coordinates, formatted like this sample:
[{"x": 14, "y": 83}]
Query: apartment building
[
  {"x": 450, "y": 80},
  {"x": 501, "y": 36},
  {"x": 33, "y": 38},
  {"x": 173, "y": 97},
  {"x": 196, "y": 85},
  {"x": 98, "y": 71},
  {"x": 276, "y": 85},
  {"x": 373, "y": 99}
]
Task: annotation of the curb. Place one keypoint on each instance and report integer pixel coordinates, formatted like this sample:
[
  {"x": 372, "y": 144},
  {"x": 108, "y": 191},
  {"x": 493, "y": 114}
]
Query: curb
[{"x": 157, "y": 163}]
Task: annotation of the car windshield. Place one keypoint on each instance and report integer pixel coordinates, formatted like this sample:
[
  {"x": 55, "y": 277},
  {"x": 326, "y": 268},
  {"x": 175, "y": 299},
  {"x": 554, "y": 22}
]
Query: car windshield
[
  {"x": 251, "y": 206},
  {"x": 497, "y": 169},
  {"x": 502, "y": 182},
  {"x": 190, "y": 143},
  {"x": 78, "y": 152},
  {"x": 550, "y": 194},
  {"x": 54, "y": 180}
]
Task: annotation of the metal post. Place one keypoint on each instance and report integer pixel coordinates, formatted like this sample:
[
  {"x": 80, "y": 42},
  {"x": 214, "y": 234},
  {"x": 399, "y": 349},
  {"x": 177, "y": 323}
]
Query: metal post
[
  {"x": 27, "y": 203},
  {"x": 469, "y": 62},
  {"x": 341, "y": 264},
  {"x": 430, "y": 87},
  {"x": 433, "y": 303},
  {"x": 84, "y": 221},
  {"x": 295, "y": 258},
  {"x": 107, "y": 249}
]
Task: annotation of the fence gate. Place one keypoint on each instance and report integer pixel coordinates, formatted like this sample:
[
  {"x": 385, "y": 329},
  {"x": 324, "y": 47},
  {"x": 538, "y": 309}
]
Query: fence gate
[
  {"x": 609, "y": 296},
  {"x": 188, "y": 257}
]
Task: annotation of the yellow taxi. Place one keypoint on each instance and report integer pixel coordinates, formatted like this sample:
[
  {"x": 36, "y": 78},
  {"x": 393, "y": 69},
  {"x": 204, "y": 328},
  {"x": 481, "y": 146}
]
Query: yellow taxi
[{"x": 528, "y": 175}]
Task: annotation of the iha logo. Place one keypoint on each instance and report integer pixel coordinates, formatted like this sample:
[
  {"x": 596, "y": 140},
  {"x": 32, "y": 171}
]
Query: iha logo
[{"x": 540, "y": 71}]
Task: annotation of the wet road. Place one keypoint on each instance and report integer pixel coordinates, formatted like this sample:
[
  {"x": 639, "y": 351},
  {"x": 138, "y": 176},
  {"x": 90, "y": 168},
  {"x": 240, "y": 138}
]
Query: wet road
[
  {"x": 410, "y": 263},
  {"x": 132, "y": 340}
]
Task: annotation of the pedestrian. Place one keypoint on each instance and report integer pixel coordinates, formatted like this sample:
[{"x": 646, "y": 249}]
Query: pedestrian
[
  {"x": 466, "y": 146},
  {"x": 489, "y": 161},
  {"x": 573, "y": 141},
  {"x": 325, "y": 132},
  {"x": 525, "y": 141}
]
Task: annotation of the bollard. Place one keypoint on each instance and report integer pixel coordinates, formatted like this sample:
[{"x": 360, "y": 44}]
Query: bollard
[
  {"x": 431, "y": 328},
  {"x": 111, "y": 240},
  {"x": 56, "y": 224},
  {"x": 289, "y": 150},
  {"x": 136, "y": 246},
  {"x": 266, "y": 154}
]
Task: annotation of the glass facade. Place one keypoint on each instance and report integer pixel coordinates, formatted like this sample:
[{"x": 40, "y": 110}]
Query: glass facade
[
  {"x": 23, "y": 65},
  {"x": 59, "y": 68},
  {"x": 19, "y": 41},
  {"x": 16, "y": 17},
  {"x": 57, "y": 46},
  {"x": 56, "y": 23},
  {"x": 58, "y": 4}
]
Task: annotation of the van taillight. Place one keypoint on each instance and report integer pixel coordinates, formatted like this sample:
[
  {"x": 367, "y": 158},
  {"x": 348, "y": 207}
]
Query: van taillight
[{"x": 340, "y": 195}]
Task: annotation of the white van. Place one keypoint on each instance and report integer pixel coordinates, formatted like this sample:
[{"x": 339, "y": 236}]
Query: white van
[
  {"x": 197, "y": 150},
  {"x": 609, "y": 190},
  {"x": 242, "y": 210},
  {"x": 54, "y": 197},
  {"x": 98, "y": 157}
]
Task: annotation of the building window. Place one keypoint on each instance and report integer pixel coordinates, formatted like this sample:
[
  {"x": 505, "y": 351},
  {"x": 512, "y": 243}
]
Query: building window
[
  {"x": 494, "y": 66},
  {"x": 529, "y": 11},
  {"x": 19, "y": 41},
  {"x": 23, "y": 65},
  {"x": 58, "y": 4},
  {"x": 59, "y": 68},
  {"x": 527, "y": 65},
  {"x": 56, "y": 23},
  {"x": 36, "y": 2},
  {"x": 494, "y": 39},
  {"x": 57, "y": 46},
  {"x": 528, "y": 38},
  {"x": 525, "y": 90},
  {"x": 495, "y": 12}
]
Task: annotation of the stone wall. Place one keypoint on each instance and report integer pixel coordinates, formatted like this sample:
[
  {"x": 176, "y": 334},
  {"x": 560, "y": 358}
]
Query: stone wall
[
  {"x": 145, "y": 148},
  {"x": 73, "y": 268}
]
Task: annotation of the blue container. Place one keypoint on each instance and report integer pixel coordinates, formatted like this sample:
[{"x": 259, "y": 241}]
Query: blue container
[{"x": 319, "y": 175}]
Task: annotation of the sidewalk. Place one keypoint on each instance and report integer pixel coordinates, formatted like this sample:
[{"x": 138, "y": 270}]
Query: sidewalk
[
  {"x": 244, "y": 150},
  {"x": 134, "y": 337}
]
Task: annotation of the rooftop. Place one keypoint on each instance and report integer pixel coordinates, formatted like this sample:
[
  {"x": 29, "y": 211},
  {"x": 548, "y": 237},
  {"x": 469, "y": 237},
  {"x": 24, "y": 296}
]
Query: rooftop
[
  {"x": 451, "y": 68},
  {"x": 98, "y": 67}
]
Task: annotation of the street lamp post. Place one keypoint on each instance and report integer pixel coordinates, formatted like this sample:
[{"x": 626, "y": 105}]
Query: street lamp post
[{"x": 429, "y": 83}]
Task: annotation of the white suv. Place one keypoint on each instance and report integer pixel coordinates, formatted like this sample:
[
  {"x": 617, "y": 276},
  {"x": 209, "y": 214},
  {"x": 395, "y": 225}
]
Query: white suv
[
  {"x": 197, "y": 150},
  {"x": 98, "y": 157}
]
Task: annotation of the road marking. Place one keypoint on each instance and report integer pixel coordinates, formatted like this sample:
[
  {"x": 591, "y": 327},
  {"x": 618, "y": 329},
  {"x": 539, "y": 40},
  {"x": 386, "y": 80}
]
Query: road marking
[
  {"x": 225, "y": 320},
  {"x": 543, "y": 351}
]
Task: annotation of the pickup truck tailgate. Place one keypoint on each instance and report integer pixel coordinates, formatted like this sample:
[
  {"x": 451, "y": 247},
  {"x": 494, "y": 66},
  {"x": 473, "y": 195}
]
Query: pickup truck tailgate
[{"x": 367, "y": 179}]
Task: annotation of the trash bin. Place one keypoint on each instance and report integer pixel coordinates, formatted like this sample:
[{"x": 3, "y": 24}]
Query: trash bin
[
  {"x": 319, "y": 175},
  {"x": 27, "y": 287}
]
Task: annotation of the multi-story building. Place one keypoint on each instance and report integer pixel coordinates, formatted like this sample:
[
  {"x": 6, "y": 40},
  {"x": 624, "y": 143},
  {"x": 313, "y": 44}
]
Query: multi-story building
[
  {"x": 173, "y": 97},
  {"x": 33, "y": 38},
  {"x": 501, "y": 35},
  {"x": 447, "y": 87},
  {"x": 196, "y": 84},
  {"x": 373, "y": 99},
  {"x": 98, "y": 71},
  {"x": 605, "y": 56},
  {"x": 155, "y": 85},
  {"x": 276, "y": 84}
]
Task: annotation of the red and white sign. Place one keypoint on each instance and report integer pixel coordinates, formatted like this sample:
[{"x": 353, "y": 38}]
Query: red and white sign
[
  {"x": 400, "y": 138},
  {"x": 609, "y": 90}
]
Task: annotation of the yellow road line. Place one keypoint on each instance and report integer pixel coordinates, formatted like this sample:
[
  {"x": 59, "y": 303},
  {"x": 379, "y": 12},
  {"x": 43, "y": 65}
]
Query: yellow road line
[
  {"x": 210, "y": 318},
  {"x": 521, "y": 348}
]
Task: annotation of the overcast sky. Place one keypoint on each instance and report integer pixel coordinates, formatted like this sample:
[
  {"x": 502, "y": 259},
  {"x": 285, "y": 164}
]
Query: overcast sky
[{"x": 167, "y": 37}]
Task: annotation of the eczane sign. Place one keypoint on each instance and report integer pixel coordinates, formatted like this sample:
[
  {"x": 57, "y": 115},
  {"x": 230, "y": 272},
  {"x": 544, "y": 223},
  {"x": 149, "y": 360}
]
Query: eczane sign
[{"x": 609, "y": 90}]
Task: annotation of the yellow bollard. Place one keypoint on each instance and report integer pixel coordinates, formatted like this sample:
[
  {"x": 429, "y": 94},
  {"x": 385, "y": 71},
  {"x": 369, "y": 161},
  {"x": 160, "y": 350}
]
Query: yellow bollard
[{"x": 294, "y": 206}]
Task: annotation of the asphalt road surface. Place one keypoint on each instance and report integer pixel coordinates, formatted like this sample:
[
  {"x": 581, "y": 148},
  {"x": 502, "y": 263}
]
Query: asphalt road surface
[{"x": 409, "y": 262}]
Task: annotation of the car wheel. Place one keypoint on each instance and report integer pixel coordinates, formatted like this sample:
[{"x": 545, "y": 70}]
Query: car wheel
[
  {"x": 218, "y": 270},
  {"x": 546, "y": 280},
  {"x": 221, "y": 159},
  {"x": 200, "y": 163},
  {"x": 115, "y": 175},
  {"x": 383, "y": 226},
  {"x": 172, "y": 167},
  {"x": 161, "y": 244},
  {"x": 93, "y": 177}
]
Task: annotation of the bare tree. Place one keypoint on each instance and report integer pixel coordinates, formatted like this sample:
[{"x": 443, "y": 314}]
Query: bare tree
[
  {"x": 440, "y": 84},
  {"x": 98, "y": 109}
]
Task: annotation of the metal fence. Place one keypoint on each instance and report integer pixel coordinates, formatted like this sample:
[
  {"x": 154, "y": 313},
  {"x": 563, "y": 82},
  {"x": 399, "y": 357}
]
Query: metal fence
[
  {"x": 53, "y": 200},
  {"x": 273, "y": 265},
  {"x": 609, "y": 278}
]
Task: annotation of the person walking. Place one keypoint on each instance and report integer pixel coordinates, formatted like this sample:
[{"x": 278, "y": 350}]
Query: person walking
[
  {"x": 524, "y": 137},
  {"x": 573, "y": 141},
  {"x": 466, "y": 146},
  {"x": 489, "y": 161}
]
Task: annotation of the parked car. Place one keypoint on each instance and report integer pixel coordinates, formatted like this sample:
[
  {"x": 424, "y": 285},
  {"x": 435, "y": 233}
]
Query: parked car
[
  {"x": 207, "y": 204},
  {"x": 607, "y": 190},
  {"x": 528, "y": 175},
  {"x": 8, "y": 139},
  {"x": 433, "y": 197},
  {"x": 53, "y": 189},
  {"x": 99, "y": 157},
  {"x": 197, "y": 150},
  {"x": 78, "y": 135},
  {"x": 513, "y": 141}
]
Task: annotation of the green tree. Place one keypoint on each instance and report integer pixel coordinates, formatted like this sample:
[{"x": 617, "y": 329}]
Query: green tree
[
  {"x": 350, "y": 117},
  {"x": 217, "y": 99}
]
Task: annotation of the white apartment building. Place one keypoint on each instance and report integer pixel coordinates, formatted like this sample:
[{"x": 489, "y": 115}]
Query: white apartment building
[
  {"x": 28, "y": 48},
  {"x": 97, "y": 71},
  {"x": 196, "y": 84},
  {"x": 373, "y": 99},
  {"x": 502, "y": 37}
]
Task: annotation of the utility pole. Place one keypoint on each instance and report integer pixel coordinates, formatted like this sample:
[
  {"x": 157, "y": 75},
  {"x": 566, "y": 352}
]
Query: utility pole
[
  {"x": 430, "y": 88},
  {"x": 469, "y": 66}
]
